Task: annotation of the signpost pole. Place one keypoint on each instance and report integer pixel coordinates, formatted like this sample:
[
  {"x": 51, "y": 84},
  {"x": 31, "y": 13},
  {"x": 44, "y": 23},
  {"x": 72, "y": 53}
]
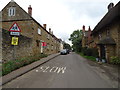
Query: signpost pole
[{"x": 14, "y": 51}]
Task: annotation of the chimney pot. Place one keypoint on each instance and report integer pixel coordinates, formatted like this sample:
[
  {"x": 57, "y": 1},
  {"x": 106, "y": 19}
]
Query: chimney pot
[
  {"x": 49, "y": 30},
  {"x": 45, "y": 25},
  {"x": 30, "y": 10},
  {"x": 89, "y": 29},
  {"x": 110, "y": 6},
  {"x": 83, "y": 28}
]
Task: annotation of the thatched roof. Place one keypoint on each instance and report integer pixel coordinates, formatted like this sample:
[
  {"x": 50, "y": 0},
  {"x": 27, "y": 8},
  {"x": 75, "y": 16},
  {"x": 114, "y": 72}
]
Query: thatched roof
[{"x": 113, "y": 15}]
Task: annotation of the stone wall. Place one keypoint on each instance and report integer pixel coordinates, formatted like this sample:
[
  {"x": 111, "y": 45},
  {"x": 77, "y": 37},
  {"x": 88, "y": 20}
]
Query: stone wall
[{"x": 10, "y": 52}]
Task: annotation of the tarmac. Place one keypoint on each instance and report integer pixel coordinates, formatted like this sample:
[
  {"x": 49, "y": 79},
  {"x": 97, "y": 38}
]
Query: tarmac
[
  {"x": 112, "y": 71},
  {"x": 14, "y": 74}
]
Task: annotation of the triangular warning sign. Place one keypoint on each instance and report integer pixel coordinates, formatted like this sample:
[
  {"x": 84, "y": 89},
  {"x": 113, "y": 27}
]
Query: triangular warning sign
[{"x": 15, "y": 28}]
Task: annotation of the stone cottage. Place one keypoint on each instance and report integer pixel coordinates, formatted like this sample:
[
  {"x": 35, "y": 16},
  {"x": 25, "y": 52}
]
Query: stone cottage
[
  {"x": 34, "y": 38},
  {"x": 106, "y": 33}
]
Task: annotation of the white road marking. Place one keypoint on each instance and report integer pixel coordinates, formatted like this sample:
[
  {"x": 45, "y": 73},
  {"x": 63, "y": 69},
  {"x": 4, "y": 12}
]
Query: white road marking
[
  {"x": 36, "y": 70},
  {"x": 61, "y": 69},
  {"x": 56, "y": 69},
  {"x": 41, "y": 68},
  {"x": 45, "y": 70},
  {"x": 52, "y": 69}
]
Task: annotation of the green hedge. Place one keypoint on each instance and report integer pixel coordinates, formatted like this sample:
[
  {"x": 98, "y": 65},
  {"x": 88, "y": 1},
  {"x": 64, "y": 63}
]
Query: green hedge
[
  {"x": 90, "y": 52},
  {"x": 15, "y": 64},
  {"x": 114, "y": 60}
]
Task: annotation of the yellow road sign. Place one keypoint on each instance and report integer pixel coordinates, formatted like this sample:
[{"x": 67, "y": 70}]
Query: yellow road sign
[{"x": 14, "y": 41}]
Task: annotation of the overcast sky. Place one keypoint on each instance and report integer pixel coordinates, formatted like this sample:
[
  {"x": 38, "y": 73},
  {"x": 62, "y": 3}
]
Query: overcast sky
[{"x": 65, "y": 16}]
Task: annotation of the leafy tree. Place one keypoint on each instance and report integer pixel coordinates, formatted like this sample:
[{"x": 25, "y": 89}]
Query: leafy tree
[
  {"x": 76, "y": 38},
  {"x": 66, "y": 46}
]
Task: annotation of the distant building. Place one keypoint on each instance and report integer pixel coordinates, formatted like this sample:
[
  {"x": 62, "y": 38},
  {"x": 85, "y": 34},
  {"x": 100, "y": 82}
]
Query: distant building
[
  {"x": 106, "y": 33},
  {"x": 34, "y": 38},
  {"x": 86, "y": 37},
  {"x": 61, "y": 44}
]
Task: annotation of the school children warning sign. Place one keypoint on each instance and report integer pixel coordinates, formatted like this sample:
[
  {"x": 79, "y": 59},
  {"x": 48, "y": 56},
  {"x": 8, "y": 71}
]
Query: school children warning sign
[{"x": 15, "y": 28}]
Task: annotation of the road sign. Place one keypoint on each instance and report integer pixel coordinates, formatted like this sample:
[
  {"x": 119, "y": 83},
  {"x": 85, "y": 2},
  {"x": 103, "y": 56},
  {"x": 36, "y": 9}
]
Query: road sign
[
  {"x": 14, "y": 41},
  {"x": 15, "y": 28},
  {"x": 15, "y": 33}
]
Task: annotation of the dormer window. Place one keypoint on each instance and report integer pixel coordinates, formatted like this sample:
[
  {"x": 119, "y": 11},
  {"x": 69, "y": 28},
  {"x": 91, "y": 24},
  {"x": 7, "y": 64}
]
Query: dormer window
[{"x": 11, "y": 11}]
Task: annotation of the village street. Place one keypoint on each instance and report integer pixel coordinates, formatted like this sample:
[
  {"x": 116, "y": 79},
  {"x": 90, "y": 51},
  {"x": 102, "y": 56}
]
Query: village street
[{"x": 64, "y": 71}]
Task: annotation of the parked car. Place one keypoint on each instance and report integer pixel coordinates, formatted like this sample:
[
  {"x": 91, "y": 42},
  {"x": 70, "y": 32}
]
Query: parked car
[
  {"x": 68, "y": 51},
  {"x": 63, "y": 52}
]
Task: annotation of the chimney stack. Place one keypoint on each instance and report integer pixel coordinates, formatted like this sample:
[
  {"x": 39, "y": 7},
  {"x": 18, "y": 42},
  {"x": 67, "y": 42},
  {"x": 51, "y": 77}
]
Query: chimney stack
[
  {"x": 45, "y": 25},
  {"x": 89, "y": 29},
  {"x": 12, "y": 1},
  {"x": 110, "y": 6},
  {"x": 83, "y": 28},
  {"x": 30, "y": 10},
  {"x": 49, "y": 30}
]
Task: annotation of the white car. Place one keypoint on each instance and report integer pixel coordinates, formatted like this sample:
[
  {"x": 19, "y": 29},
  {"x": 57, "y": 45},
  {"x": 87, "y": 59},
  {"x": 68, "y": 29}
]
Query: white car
[{"x": 63, "y": 52}]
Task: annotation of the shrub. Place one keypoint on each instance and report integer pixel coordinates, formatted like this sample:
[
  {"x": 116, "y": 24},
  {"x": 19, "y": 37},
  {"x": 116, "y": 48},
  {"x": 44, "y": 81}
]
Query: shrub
[
  {"x": 15, "y": 64},
  {"x": 115, "y": 60},
  {"x": 90, "y": 52},
  {"x": 84, "y": 51},
  {"x": 95, "y": 52}
]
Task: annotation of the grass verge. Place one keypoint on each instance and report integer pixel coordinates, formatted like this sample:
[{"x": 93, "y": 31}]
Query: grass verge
[
  {"x": 16, "y": 64},
  {"x": 88, "y": 57}
]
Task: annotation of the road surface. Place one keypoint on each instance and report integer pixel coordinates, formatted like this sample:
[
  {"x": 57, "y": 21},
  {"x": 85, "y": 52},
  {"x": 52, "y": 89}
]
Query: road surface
[{"x": 64, "y": 71}]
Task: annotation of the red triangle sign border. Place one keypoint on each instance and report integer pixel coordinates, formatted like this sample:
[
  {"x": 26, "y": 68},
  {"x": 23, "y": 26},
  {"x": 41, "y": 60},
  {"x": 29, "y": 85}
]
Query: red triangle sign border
[{"x": 14, "y": 30}]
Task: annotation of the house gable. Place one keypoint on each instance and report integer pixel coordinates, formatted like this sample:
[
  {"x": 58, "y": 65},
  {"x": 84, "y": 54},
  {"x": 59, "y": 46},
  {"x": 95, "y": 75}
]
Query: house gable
[{"x": 19, "y": 13}]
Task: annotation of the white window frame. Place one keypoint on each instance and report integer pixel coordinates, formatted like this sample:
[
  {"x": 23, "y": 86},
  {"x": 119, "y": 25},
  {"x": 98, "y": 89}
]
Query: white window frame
[
  {"x": 39, "y": 31},
  {"x": 11, "y": 11}
]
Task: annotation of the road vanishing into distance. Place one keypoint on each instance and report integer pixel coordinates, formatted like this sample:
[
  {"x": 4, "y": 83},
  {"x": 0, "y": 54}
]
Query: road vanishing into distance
[{"x": 64, "y": 71}]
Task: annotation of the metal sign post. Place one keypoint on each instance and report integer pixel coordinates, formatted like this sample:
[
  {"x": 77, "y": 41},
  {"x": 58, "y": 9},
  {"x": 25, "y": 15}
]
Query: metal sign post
[{"x": 14, "y": 43}]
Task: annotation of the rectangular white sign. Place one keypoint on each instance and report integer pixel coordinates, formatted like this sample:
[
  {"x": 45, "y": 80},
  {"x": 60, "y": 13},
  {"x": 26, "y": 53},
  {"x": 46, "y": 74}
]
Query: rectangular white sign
[{"x": 15, "y": 33}]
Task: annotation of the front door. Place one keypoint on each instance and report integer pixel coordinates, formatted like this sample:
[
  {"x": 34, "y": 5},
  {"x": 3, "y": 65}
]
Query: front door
[{"x": 102, "y": 52}]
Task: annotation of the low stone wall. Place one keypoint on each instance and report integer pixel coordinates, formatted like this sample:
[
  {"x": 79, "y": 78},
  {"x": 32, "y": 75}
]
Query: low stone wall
[{"x": 10, "y": 52}]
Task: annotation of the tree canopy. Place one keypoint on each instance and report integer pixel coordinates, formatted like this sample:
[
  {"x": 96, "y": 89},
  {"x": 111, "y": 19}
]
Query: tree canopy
[
  {"x": 67, "y": 46},
  {"x": 76, "y": 38}
]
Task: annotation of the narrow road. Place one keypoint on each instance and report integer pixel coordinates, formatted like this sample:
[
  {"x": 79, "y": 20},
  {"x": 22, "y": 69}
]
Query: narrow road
[{"x": 64, "y": 71}]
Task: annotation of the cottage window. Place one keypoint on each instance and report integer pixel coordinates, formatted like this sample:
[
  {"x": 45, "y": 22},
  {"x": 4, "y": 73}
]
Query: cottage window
[
  {"x": 11, "y": 11},
  {"x": 39, "y": 31}
]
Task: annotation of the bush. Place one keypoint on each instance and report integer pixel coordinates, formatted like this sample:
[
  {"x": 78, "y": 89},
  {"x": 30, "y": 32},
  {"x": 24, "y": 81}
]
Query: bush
[
  {"x": 90, "y": 52},
  {"x": 114, "y": 60},
  {"x": 84, "y": 51},
  {"x": 15, "y": 64}
]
